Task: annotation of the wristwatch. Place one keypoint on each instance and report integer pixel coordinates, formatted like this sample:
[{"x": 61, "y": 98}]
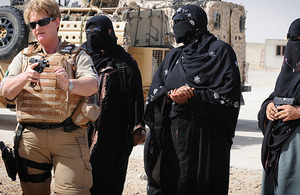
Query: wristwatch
[{"x": 70, "y": 86}]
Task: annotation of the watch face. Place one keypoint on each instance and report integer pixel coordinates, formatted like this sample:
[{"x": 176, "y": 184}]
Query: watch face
[{"x": 70, "y": 85}]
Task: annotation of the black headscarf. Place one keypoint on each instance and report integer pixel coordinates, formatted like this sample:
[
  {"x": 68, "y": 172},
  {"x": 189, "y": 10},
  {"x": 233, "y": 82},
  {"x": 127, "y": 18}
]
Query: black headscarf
[
  {"x": 287, "y": 85},
  {"x": 102, "y": 46},
  {"x": 294, "y": 30}
]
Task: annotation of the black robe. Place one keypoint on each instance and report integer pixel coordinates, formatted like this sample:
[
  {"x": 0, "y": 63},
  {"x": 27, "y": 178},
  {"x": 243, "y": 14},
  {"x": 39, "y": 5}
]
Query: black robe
[
  {"x": 280, "y": 151},
  {"x": 188, "y": 148},
  {"x": 122, "y": 106},
  {"x": 287, "y": 86}
]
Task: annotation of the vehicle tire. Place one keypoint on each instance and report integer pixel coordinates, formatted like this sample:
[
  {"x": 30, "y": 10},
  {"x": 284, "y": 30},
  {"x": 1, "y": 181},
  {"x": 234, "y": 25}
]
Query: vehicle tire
[{"x": 13, "y": 32}]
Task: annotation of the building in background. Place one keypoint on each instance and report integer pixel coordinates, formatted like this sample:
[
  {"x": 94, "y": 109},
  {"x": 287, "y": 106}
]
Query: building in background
[
  {"x": 274, "y": 53},
  {"x": 254, "y": 51},
  {"x": 266, "y": 56}
]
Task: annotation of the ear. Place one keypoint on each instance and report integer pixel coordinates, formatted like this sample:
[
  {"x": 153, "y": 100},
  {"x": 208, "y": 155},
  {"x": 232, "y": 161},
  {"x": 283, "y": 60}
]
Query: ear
[{"x": 57, "y": 22}]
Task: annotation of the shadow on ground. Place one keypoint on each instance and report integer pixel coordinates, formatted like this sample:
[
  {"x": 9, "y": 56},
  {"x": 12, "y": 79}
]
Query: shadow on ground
[
  {"x": 247, "y": 125},
  {"x": 247, "y": 134}
]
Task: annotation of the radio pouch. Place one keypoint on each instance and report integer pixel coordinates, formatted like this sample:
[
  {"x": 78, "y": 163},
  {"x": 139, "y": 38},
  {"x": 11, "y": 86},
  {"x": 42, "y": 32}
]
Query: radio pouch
[{"x": 87, "y": 111}]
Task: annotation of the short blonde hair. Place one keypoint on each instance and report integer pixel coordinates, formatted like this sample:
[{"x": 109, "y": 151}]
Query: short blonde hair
[{"x": 50, "y": 7}]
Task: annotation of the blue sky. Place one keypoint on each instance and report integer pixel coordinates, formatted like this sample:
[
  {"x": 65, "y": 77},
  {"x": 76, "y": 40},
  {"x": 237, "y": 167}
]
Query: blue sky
[{"x": 268, "y": 19}]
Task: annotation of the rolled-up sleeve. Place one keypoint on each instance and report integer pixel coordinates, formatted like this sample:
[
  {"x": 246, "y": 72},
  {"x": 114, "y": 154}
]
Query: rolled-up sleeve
[{"x": 85, "y": 67}]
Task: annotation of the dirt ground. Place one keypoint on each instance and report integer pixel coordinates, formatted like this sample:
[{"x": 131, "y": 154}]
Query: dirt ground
[{"x": 242, "y": 181}]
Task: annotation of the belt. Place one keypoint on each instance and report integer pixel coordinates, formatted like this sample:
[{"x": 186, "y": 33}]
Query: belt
[
  {"x": 67, "y": 124},
  {"x": 45, "y": 125}
]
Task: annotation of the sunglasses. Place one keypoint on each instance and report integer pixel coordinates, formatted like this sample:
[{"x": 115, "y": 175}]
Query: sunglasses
[
  {"x": 41, "y": 22},
  {"x": 88, "y": 31},
  {"x": 177, "y": 18}
]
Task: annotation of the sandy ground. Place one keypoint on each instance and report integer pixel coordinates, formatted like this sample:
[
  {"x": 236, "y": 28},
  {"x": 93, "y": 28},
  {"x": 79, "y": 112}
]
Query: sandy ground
[
  {"x": 242, "y": 181},
  {"x": 245, "y": 170}
]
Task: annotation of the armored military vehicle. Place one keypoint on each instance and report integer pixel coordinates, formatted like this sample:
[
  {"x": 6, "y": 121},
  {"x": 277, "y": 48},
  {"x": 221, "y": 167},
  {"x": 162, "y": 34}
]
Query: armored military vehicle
[{"x": 143, "y": 27}]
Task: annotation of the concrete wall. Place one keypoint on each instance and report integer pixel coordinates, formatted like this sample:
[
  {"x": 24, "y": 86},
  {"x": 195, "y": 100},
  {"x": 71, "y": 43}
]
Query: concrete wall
[
  {"x": 273, "y": 61},
  {"x": 254, "y": 54}
]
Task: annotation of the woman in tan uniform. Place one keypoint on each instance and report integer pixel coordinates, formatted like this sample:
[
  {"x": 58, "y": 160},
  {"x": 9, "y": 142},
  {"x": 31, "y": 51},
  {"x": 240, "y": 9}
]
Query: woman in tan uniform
[{"x": 45, "y": 101}]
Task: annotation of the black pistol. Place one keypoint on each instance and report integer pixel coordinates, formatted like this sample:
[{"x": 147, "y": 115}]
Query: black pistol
[
  {"x": 9, "y": 161},
  {"x": 279, "y": 101},
  {"x": 39, "y": 68},
  {"x": 42, "y": 64}
]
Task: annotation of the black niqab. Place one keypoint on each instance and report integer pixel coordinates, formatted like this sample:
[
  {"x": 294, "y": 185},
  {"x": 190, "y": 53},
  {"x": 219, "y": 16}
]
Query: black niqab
[
  {"x": 287, "y": 85},
  {"x": 189, "y": 22},
  {"x": 101, "y": 41}
]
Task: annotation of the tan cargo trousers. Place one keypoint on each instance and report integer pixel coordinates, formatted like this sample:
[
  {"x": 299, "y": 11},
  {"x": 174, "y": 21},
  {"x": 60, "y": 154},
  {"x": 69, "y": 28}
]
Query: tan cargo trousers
[{"x": 69, "y": 153}]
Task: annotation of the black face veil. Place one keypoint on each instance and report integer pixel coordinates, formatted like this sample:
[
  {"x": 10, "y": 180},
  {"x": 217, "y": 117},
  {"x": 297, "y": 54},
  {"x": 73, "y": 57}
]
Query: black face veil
[
  {"x": 101, "y": 44},
  {"x": 100, "y": 39},
  {"x": 186, "y": 25}
]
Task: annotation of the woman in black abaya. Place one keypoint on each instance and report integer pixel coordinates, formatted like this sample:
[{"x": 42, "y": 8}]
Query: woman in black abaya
[
  {"x": 281, "y": 125},
  {"x": 120, "y": 125},
  {"x": 192, "y": 110}
]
